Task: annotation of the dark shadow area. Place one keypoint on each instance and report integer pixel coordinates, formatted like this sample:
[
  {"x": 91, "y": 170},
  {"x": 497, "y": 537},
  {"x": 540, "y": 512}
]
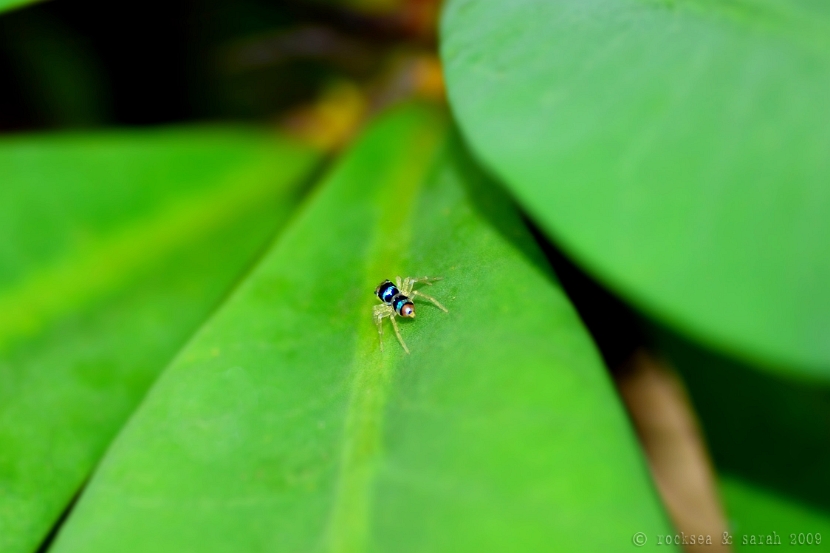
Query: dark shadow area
[
  {"x": 92, "y": 63},
  {"x": 759, "y": 426},
  {"x": 16, "y": 113},
  {"x": 614, "y": 326},
  {"x": 53, "y": 533}
]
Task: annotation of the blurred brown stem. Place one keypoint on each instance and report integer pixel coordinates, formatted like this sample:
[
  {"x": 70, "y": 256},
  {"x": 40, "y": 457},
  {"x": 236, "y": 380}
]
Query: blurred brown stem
[{"x": 669, "y": 432}]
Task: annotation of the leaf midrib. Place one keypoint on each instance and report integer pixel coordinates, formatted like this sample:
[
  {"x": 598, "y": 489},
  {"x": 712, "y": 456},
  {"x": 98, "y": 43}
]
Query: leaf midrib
[{"x": 373, "y": 371}]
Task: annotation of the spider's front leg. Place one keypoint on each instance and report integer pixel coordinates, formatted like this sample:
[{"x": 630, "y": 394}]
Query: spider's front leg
[
  {"x": 397, "y": 331},
  {"x": 409, "y": 282},
  {"x": 429, "y": 298},
  {"x": 380, "y": 312}
]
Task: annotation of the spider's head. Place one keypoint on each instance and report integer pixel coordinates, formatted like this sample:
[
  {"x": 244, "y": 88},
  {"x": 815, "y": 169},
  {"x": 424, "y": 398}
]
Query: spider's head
[{"x": 408, "y": 310}]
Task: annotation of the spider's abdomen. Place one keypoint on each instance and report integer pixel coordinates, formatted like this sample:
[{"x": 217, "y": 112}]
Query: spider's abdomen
[{"x": 387, "y": 291}]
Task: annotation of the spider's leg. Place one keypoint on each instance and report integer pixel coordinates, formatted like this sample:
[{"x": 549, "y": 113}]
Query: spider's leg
[
  {"x": 405, "y": 286},
  {"x": 379, "y": 312},
  {"x": 430, "y": 298},
  {"x": 410, "y": 282},
  {"x": 426, "y": 280},
  {"x": 398, "y": 334}
]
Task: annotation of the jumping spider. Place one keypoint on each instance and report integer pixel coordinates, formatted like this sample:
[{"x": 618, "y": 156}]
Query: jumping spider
[{"x": 397, "y": 303}]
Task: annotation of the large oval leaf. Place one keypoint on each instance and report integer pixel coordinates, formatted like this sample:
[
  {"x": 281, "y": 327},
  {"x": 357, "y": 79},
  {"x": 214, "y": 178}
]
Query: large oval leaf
[
  {"x": 678, "y": 150},
  {"x": 116, "y": 246},
  {"x": 283, "y": 427}
]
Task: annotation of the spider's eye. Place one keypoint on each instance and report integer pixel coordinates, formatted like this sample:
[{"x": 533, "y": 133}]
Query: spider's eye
[{"x": 408, "y": 310}]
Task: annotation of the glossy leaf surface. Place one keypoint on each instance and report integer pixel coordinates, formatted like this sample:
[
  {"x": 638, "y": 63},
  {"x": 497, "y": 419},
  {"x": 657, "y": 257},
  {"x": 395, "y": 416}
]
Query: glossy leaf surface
[
  {"x": 283, "y": 427},
  {"x": 677, "y": 150},
  {"x": 116, "y": 247}
]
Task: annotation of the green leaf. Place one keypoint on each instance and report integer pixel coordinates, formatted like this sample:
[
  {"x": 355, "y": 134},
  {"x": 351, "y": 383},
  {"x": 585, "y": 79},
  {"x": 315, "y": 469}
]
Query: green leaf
[
  {"x": 283, "y": 427},
  {"x": 676, "y": 149},
  {"x": 117, "y": 247}
]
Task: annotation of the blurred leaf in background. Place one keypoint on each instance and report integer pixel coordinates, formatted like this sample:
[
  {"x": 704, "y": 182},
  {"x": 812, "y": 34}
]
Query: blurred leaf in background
[
  {"x": 677, "y": 151},
  {"x": 116, "y": 247}
]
